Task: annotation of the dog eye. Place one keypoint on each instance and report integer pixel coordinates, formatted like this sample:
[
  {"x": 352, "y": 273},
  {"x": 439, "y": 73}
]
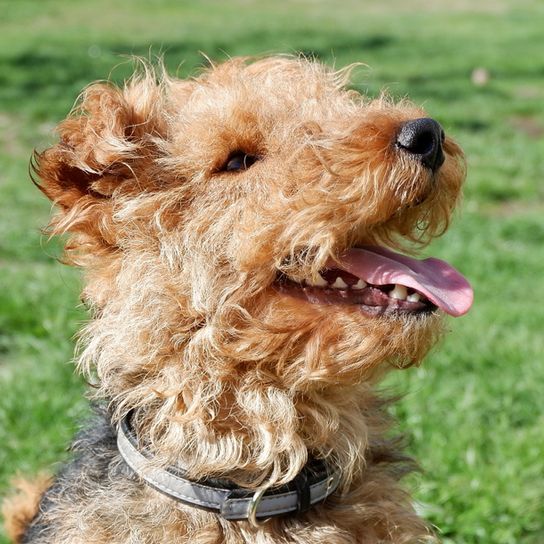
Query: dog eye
[{"x": 239, "y": 161}]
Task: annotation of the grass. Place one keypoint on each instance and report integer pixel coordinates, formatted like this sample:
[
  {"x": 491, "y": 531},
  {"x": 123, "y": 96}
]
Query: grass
[{"x": 474, "y": 410}]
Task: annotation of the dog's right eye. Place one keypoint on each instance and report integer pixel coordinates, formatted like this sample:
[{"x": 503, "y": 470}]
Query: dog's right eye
[{"x": 239, "y": 161}]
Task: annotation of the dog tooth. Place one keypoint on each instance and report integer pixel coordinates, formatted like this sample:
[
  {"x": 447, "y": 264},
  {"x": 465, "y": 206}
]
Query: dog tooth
[
  {"x": 318, "y": 282},
  {"x": 399, "y": 292},
  {"x": 359, "y": 285},
  {"x": 340, "y": 284},
  {"x": 414, "y": 297}
]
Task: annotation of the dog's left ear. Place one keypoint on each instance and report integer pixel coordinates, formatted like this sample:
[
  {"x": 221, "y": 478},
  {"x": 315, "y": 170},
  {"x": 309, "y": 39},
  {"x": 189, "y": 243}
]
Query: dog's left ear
[{"x": 104, "y": 144}]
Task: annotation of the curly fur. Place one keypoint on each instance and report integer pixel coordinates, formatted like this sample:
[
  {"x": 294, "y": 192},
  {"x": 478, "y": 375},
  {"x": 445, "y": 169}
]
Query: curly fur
[{"x": 226, "y": 376}]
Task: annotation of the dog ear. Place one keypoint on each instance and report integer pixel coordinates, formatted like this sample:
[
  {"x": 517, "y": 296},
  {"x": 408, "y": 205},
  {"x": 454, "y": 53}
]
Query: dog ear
[{"x": 104, "y": 143}]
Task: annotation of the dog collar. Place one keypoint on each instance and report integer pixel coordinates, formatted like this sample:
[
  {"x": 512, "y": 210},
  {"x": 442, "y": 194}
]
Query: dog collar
[{"x": 312, "y": 485}]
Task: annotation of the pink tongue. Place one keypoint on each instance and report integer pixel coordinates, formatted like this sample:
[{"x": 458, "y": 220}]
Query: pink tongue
[{"x": 436, "y": 279}]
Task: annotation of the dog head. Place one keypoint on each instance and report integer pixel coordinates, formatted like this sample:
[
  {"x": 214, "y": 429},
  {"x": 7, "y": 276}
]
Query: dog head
[{"x": 238, "y": 232}]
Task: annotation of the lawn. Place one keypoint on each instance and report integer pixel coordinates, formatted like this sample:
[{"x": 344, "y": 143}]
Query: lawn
[{"x": 474, "y": 411}]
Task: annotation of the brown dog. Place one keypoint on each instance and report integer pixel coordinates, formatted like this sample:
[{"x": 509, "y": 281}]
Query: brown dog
[{"x": 237, "y": 231}]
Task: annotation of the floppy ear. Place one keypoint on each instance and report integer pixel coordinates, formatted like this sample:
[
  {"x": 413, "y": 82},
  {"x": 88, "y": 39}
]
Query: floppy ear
[{"x": 106, "y": 140}]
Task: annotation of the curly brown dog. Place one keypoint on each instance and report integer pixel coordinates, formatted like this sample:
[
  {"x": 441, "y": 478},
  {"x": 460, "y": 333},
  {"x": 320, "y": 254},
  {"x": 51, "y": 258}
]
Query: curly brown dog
[{"x": 238, "y": 233}]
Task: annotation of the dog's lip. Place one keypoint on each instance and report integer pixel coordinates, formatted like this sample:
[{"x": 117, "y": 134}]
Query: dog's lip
[
  {"x": 371, "y": 300},
  {"x": 386, "y": 280}
]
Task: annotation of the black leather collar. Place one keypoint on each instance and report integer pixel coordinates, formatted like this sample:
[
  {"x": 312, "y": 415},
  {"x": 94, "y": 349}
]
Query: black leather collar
[{"x": 312, "y": 485}]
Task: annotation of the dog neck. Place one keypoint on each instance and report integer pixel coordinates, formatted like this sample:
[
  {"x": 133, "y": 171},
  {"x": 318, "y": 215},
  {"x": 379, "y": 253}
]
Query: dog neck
[
  {"x": 312, "y": 485},
  {"x": 249, "y": 458}
]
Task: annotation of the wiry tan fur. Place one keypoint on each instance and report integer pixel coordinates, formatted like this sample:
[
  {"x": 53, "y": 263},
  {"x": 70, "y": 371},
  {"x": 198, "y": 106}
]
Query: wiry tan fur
[
  {"x": 19, "y": 510},
  {"x": 227, "y": 376}
]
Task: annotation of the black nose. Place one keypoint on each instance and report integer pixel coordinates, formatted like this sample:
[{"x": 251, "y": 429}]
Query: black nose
[{"x": 423, "y": 139}]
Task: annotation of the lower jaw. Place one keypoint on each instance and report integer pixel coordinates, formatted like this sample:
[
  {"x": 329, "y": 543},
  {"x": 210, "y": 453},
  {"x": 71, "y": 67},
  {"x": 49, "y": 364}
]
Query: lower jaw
[{"x": 370, "y": 301}]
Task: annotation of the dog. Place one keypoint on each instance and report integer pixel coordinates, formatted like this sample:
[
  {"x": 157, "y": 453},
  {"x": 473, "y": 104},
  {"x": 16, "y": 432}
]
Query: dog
[{"x": 244, "y": 238}]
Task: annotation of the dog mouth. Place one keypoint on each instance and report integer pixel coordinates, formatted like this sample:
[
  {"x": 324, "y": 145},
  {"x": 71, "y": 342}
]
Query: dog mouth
[{"x": 379, "y": 282}]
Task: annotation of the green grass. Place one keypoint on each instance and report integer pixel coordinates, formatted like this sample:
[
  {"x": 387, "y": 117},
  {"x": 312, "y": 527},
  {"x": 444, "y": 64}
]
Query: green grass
[{"x": 474, "y": 411}]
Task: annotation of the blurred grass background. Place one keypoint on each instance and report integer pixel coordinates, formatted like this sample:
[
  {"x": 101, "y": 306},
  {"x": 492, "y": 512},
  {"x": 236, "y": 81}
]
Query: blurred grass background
[{"x": 474, "y": 412}]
